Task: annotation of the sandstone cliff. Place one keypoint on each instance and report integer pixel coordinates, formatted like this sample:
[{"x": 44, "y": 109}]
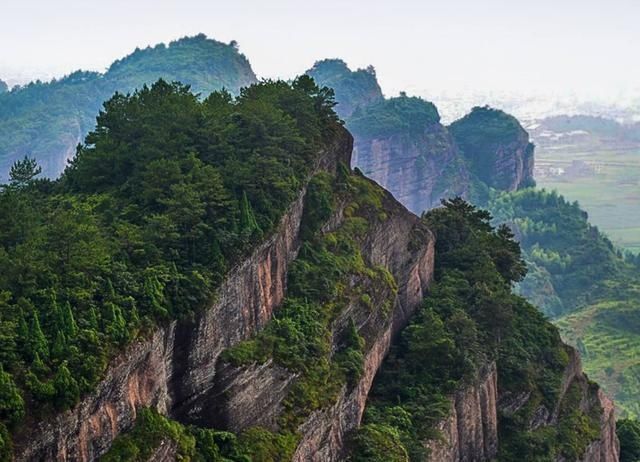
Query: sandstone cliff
[
  {"x": 401, "y": 244},
  {"x": 173, "y": 369},
  {"x": 419, "y": 169},
  {"x": 497, "y": 148},
  {"x": 470, "y": 432}
]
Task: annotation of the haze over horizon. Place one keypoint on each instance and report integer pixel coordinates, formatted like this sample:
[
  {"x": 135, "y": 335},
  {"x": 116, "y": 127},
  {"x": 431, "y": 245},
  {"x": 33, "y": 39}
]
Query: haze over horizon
[{"x": 576, "y": 49}]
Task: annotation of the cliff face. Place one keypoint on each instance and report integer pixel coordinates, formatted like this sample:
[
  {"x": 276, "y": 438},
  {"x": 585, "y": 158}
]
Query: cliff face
[
  {"x": 496, "y": 147},
  {"x": 173, "y": 370},
  {"x": 418, "y": 169},
  {"x": 405, "y": 248},
  {"x": 470, "y": 433}
]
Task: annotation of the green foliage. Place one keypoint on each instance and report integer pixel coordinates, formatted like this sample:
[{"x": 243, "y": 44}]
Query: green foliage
[
  {"x": 378, "y": 443},
  {"x": 393, "y": 115},
  {"x": 150, "y": 431},
  {"x": 353, "y": 89},
  {"x": 47, "y": 119},
  {"x": 24, "y": 171},
  {"x": 578, "y": 261},
  {"x": 321, "y": 285},
  {"x": 480, "y": 134},
  {"x": 167, "y": 194},
  {"x": 628, "y": 432},
  {"x": 469, "y": 319}
]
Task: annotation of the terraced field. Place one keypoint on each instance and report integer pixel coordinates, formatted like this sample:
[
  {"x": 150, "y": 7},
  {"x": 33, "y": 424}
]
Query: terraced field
[
  {"x": 608, "y": 337},
  {"x": 608, "y": 188}
]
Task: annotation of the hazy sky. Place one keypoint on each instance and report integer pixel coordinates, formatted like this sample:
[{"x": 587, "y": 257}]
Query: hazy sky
[{"x": 586, "y": 46}]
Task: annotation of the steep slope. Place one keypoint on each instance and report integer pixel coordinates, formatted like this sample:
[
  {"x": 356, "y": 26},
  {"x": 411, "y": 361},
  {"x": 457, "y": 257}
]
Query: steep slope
[
  {"x": 141, "y": 231},
  {"x": 353, "y": 89},
  {"x": 401, "y": 145},
  {"x": 48, "y": 120},
  {"x": 578, "y": 278},
  {"x": 497, "y": 148},
  {"x": 499, "y": 383}
]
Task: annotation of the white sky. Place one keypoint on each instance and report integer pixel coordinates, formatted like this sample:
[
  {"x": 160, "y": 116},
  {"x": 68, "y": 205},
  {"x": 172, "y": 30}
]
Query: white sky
[{"x": 588, "y": 47}]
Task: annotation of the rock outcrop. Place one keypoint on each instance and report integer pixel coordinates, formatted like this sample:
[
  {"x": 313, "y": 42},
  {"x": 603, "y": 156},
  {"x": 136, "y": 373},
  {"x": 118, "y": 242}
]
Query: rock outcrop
[
  {"x": 497, "y": 148},
  {"x": 470, "y": 432},
  {"x": 174, "y": 368},
  {"x": 419, "y": 169},
  {"x": 402, "y": 245},
  {"x": 353, "y": 89}
]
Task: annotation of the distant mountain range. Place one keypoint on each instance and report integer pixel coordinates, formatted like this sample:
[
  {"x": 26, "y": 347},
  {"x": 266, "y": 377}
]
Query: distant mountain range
[{"x": 48, "y": 120}]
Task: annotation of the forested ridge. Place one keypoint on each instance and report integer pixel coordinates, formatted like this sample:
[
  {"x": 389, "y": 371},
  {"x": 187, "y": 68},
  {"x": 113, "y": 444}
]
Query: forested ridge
[
  {"x": 470, "y": 319},
  {"x": 166, "y": 194},
  {"x": 46, "y": 120}
]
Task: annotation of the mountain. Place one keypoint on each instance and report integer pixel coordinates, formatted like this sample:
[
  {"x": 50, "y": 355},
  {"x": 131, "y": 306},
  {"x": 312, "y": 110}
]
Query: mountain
[
  {"x": 353, "y": 89},
  {"x": 576, "y": 275},
  {"x": 497, "y": 148},
  {"x": 401, "y": 144},
  {"x": 48, "y": 120},
  {"x": 3, "y": 86},
  {"x": 210, "y": 280}
]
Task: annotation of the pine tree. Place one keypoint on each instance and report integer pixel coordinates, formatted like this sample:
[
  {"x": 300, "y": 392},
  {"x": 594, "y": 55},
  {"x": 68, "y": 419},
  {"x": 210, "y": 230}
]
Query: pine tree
[
  {"x": 11, "y": 402},
  {"x": 66, "y": 388},
  {"x": 38, "y": 342},
  {"x": 248, "y": 223},
  {"x": 70, "y": 326}
]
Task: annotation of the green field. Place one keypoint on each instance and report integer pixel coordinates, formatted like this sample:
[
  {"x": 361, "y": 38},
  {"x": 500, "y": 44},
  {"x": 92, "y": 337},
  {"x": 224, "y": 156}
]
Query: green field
[
  {"x": 611, "y": 195},
  {"x": 606, "y": 334}
]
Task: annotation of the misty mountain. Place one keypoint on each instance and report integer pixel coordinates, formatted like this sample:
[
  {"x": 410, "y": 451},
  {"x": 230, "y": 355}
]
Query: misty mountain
[{"x": 47, "y": 120}]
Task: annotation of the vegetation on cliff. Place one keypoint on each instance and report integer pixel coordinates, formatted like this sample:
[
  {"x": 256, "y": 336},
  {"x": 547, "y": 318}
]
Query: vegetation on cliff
[
  {"x": 469, "y": 319},
  {"x": 629, "y": 434},
  {"x": 482, "y": 135},
  {"x": 165, "y": 196},
  {"x": 329, "y": 277},
  {"x": 578, "y": 277},
  {"x": 47, "y": 120},
  {"x": 354, "y": 89},
  {"x": 392, "y": 116}
]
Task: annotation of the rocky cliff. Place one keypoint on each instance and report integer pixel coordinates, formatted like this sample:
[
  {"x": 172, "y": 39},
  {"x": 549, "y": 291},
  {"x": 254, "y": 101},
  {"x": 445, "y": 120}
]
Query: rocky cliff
[
  {"x": 470, "y": 432},
  {"x": 419, "y": 169},
  {"x": 497, "y": 148},
  {"x": 174, "y": 369},
  {"x": 400, "y": 244}
]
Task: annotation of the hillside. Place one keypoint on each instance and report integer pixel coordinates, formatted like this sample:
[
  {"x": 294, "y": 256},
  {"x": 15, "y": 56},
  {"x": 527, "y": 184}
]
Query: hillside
[
  {"x": 579, "y": 279},
  {"x": 353, "y": 89},
  {"x": 401, "y": 144},
  {"x": 47, "y": 120},
  {"x": 210, "y": 275}
]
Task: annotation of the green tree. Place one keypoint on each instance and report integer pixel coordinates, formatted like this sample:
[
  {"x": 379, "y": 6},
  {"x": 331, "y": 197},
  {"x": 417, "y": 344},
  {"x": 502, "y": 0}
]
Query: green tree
[
  {"x": 66, "y": 388},
  {"x": 24, "y": 171},
  {"x": 628, "y": 432},
  {"x": 11, "y": 402}
]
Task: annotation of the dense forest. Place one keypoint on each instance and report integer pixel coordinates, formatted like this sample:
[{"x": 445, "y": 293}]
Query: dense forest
[
  {"x": 579, "y": 279},
  {"x": 48, "y": 120},
  {"x": 354, "y": 89},
  {"x": 167, "y": 193},
  {"x": 469, "y": 319}
]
